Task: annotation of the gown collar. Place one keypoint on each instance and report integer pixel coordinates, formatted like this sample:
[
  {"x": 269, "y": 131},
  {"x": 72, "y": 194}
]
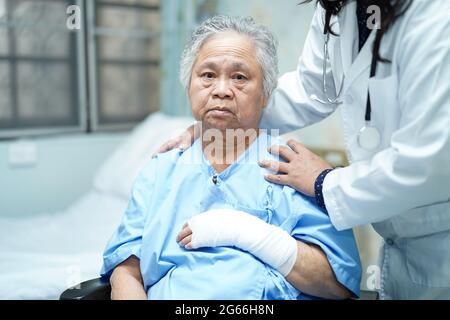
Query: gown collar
[{"x": 254, "y": 152}]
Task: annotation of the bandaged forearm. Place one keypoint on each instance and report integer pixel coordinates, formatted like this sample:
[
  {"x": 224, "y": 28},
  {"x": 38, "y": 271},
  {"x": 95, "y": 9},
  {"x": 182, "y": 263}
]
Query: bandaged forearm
[{"x": 225, "y": 227}]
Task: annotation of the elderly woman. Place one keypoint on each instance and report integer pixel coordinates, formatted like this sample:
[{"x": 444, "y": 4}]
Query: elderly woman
[{"x": 263, "y": 242}]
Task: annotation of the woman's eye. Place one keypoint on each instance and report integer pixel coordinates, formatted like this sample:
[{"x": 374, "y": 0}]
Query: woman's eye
[
  {"x": 208, "y": 75},
  {"x": 240, "y": 77}
]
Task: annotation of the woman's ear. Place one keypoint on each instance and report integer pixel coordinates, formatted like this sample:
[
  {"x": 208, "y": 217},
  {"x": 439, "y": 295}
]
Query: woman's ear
[{"x": 265, "y": 102}]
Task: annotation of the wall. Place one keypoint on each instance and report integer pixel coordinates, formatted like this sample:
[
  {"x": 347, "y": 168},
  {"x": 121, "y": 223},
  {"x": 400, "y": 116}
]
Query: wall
[{"x": 63, "y": 171}]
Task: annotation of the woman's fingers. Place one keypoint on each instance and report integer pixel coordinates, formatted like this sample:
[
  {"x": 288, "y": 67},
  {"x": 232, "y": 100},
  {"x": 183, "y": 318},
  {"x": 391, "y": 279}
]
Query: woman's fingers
[
  {"x": 186, "y": 242},
  {"x": 184, "y": 238},
  {"x": 275, "y": 166},
  {"x": 185, "y": 232}
]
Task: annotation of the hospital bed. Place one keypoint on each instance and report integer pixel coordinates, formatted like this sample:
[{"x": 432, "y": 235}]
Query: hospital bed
[{"x": 44, "y": 254}]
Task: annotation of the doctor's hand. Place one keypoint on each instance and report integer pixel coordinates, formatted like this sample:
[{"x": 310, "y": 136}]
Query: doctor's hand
[
  {"x": 301, "y": 169},
  {"x": 183, "y": 141}
]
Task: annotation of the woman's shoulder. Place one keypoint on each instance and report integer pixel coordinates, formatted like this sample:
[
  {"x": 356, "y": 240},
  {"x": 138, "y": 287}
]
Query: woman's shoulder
[{"x": 161, "y": 165}]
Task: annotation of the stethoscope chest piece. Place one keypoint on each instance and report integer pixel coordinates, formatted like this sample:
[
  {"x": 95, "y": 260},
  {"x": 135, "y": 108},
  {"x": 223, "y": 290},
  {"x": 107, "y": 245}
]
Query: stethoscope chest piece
[{"x": 369, "y": 138}]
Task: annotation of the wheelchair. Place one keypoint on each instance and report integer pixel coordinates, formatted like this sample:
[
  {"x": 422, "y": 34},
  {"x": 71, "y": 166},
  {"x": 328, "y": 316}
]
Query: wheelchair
[{"x": 100, "y": 289}]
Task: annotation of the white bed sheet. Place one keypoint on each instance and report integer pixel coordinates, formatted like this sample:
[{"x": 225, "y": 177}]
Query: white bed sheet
[{"x": 43, "y": 255}]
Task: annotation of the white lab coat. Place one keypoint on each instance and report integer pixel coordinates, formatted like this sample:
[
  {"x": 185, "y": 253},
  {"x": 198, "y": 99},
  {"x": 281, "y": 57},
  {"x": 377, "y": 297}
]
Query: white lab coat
[{"x": 403, "y": 187}]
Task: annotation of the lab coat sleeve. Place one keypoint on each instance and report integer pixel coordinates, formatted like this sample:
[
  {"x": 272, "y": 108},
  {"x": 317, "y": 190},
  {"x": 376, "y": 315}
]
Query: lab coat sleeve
[
  {"x": 127, "y": 239},
  {"x": 313, "y": 226},
  {"x": 414, "y": 171},
  {"x": 290, "y": 106}
]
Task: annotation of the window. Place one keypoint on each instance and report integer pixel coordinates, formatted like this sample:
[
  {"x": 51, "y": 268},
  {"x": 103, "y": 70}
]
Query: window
[
  {"x": 124, "y": 53},
  {"x": 103, "y": 76}
]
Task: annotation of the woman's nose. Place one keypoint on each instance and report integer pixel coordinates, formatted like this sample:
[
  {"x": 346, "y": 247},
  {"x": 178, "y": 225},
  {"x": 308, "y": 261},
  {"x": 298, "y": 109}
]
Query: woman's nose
[{"x": 222, "y": 89}]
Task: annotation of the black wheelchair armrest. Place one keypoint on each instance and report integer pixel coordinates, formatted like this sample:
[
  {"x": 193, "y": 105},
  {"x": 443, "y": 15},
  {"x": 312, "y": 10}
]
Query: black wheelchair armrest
[{"x": 94, "y": 289}]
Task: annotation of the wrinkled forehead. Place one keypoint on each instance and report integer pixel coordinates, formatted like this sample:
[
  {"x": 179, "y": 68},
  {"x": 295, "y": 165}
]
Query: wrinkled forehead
[{"x": 235, "y": 50}]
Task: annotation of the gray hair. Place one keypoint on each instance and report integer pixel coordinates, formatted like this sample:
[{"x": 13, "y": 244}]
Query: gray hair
[{"x": 265, "y": 44}]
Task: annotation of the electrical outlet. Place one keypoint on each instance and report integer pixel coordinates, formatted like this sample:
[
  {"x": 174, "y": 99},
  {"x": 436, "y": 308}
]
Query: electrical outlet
[{"x": 22, "y": 154}]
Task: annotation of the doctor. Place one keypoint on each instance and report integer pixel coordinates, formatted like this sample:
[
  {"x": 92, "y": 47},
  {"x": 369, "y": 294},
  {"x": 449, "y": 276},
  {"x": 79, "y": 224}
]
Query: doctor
[{"x": 392, "y": 88}]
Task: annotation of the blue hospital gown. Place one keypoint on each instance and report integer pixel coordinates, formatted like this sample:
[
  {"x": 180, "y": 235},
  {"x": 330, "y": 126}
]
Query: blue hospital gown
[{"x": 178, "y": 185}]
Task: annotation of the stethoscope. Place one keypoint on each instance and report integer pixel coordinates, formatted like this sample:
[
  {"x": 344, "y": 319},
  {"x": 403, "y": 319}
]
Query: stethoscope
[{"x": 369, "y": 138}]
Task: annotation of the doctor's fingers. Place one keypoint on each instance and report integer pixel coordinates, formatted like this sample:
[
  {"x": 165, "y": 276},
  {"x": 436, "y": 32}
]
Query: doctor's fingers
[
  {"x": 284, "y": 152},
  {"x": 281, "y": 179},
  {"x": 182, "y": 141},
  {"x": 275, "y": 166},
  {"x": 296, "y": 146},
  {"x": 169, "y": 145}
]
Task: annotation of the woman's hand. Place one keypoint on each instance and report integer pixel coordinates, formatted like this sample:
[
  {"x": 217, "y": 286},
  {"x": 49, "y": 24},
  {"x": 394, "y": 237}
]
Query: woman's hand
[
  {"x": 184, "y": 238},
  {"x": 304, "y": 265},
  {"x": 214, "y": 228},
  {"x": 301, "y": 169},
  {"x": 227, "y": 227},
  {"x": 126, "y": 281},
  {"x": 183, "y": 141}
]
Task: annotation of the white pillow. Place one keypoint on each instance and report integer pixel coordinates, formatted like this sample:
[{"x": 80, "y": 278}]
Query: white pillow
[{"x": 118, "y": 173}]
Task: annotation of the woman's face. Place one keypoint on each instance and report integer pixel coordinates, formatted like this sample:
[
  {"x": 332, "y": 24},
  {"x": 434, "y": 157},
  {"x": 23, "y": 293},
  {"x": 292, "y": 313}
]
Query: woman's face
[{"x": 226, "y": 90}]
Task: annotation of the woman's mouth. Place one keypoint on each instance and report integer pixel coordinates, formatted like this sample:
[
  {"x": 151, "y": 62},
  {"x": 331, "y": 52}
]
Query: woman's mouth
[{"x": 220, "y": 112}]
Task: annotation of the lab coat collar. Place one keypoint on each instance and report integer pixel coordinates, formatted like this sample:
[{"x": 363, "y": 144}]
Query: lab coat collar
[
  {"x": 348, "y": 28},
  {"x": 353, "y": 63}
]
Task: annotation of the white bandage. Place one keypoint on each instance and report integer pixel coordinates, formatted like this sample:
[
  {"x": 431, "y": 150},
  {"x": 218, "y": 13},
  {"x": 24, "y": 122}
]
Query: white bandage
[{"x": 225, "y": 227}]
